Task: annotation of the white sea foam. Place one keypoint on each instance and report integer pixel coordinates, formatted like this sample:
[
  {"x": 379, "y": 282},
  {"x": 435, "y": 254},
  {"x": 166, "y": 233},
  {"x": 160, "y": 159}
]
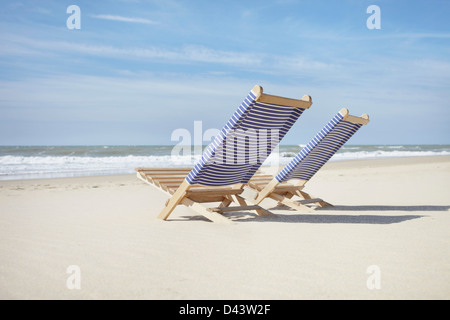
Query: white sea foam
[
  {"x": 35, "y": 164},
  {"x": 19, "y": 167},
  {"x": 385, "y": 154}
]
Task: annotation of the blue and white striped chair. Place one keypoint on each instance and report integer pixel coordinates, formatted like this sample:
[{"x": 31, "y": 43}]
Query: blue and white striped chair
[
  {"x": 307, "y": 162},
  {"x": 234, "y": 156}
]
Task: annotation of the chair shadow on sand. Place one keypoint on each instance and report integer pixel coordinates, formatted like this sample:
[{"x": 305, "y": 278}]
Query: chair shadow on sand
[{"x": 328, "y": 216}]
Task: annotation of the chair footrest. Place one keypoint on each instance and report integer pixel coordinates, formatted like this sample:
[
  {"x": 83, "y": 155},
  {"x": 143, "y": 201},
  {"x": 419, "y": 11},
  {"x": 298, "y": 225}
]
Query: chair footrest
[
  {"x": 236, "y": 208},
  {"x": 307, "y": 201}
]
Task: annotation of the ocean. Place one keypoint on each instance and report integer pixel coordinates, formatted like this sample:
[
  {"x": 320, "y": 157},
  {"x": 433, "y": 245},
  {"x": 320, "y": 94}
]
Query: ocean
[{"x": 31, "y": 162}]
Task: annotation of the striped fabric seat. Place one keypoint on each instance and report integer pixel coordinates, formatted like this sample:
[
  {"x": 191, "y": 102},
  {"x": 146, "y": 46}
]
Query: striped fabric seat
[
  {"x": 245, "y": 142},
  {"x": 319, "y": 150},
  {"x": 306, "y": 163}
]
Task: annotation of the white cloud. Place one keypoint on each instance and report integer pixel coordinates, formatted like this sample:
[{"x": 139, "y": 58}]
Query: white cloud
[
  {"x": 123, "y": 19},
  {"x": 164, "y": 103},
  {"x": 185, "y": 54},
  {"x": 416, "y": 36},
  {"x": 370, "y": 72}
]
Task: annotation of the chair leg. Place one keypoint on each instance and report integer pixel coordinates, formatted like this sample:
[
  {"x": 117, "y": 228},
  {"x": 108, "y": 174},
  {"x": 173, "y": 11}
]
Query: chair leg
[
  {"x": 306, "y": 196},
  {"x": 175, "y": 200},
  {"x": 288, "y": 202},
  {"x": 259, "y": 210},
  {"x": 225, "y": 203},
  {"x": 268, "y": 189},
  {"x": 208, "y": 214}
]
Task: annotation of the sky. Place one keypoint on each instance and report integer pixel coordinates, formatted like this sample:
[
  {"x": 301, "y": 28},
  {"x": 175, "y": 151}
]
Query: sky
[{"x": 135, "y": 71}]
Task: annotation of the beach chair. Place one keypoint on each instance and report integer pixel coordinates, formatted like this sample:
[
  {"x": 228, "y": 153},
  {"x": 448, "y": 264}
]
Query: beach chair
[
  {"x": 291, "y": 180},
  {"x": 229, "y": 162}
]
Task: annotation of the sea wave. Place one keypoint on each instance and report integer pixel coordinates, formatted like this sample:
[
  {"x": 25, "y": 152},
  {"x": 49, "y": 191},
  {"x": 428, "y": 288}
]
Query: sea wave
[
  {"x": 35, "y": 164},
  {"x": 20, "y": 167},
  {"x": 385, "y": 154}
]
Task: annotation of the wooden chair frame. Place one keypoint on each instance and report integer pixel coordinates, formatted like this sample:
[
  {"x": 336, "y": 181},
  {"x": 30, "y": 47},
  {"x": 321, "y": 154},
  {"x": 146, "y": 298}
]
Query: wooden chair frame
[
  {"x": 173, "y": 181},
  {"x": 181, "y": 192},
  {"x": 269, "y": 187}
]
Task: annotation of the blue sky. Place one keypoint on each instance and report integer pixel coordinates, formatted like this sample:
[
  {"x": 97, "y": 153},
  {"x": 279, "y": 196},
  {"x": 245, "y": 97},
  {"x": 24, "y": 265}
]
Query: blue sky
[{"x": 139, "y": 69}]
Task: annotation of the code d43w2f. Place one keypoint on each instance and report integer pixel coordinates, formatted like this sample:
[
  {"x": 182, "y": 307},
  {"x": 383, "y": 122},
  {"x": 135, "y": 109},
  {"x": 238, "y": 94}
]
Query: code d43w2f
[{"x": 246, "y": 309}]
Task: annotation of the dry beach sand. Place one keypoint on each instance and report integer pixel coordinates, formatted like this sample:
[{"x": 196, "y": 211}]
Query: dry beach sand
[{"x": 390, "y": 215}]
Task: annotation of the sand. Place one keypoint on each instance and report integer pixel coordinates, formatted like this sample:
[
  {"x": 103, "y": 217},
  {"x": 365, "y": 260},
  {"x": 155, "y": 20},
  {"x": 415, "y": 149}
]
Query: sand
[{"x": 388, "y": 237}]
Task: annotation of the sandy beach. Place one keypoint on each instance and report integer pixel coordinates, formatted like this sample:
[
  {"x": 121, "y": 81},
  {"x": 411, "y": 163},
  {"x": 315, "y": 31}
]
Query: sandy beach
[{"x": 388, "y": 237}]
